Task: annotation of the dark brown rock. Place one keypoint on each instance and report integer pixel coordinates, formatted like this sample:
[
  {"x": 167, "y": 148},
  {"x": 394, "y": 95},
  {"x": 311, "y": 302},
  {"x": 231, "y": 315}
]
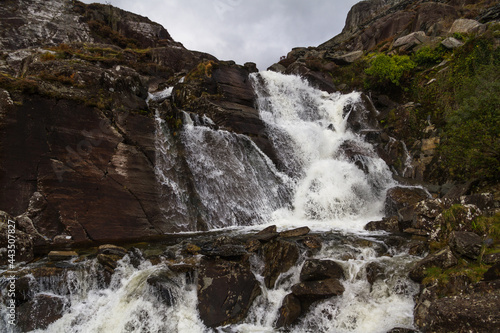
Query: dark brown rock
[
  {"x": 40, "y": 312},
  {"x": 476, "y": 312},
  {"x": 466, "y": 244},
  {"x": 310, "y": 291},
  {"x": 389, "y": 224},
  {"x": 226, "y": 290},
  {"x": 163, "y": 287},
  {"x": 312, "y": 242},
  {"x": 289, "y": 311},
  {"x": 109, "y": 261},
  {"x": 402, "y": 330},
  {"x": 279, "y": 257},
  {"x": 491, "y": 258},
  {"x": 62, "y": 255},
  {"x": 295, "y": 232},
  {"x": 112, "y": 249},
  {"x": 267, "y": 234},
  {"x": 493, "y": 273},
  {"x": 443, "y": 259},
  {"x": 10, "y": 236},
  {"x": 374, "y": 272},
  {"x": 316, "y": 269},
  {"x": 224, "y": 251},
  {"x": 400, "y": 197}
]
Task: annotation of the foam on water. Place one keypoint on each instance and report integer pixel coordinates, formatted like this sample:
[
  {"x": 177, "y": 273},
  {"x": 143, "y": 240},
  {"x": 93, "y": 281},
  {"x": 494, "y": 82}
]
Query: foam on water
[{"x": 309, "y": 130}]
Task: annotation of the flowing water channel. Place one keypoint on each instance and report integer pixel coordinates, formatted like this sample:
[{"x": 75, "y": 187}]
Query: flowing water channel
[{"x": 329, "y": 179}]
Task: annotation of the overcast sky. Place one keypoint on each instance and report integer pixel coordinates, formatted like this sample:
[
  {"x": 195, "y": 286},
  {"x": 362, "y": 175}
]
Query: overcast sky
[{"x": 259, "y": 31}]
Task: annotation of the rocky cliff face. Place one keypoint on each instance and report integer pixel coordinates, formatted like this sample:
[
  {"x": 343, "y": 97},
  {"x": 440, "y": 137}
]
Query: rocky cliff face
[{"x": 77, "y": 139}]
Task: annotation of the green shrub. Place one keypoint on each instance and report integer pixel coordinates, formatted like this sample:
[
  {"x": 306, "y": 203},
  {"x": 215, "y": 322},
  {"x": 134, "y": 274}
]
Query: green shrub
[
  {"x": 428, "y": 56},
  {"x": 471, "y": 145},
  {"x": 389, "y": 70}
]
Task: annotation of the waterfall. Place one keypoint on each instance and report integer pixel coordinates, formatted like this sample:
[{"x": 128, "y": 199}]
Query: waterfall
[
  {"x": 340, "y": 182},
  {"x": 328, "y": 178},
  {"x": 237, "y": 183}
]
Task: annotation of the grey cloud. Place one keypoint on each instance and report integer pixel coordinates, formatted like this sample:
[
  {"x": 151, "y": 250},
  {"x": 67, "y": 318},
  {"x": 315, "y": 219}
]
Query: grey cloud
[{"x": 241, "y": 30}]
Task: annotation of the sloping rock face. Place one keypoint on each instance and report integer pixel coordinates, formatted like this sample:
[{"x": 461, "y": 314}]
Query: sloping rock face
[{"x": 77, "y": 138}]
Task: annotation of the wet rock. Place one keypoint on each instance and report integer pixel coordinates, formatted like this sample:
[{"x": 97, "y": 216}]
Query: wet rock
[
  {"x": 310, "y": 291},
  {"x": 443, "y": 259},
  {"x": 399, "y": 197},
  {"x": 192, "y": 248},
  {"x": 476, "y": 312},
  {"x": 163, "y": 287},
  {"x": 316, "y": 269},
  {"x": 62, "y": 255},
  {"x": 289, "y": 311},
  {"x": 226, "y": 290},
  {"x": 112, "y": 250},
  {"x": 493, "y": 273},
  {"x": 312, "y": 242},
  {"x": 374, "y": 272},
  {"x": 11, "y": 235},
  {"x": 40, "y": 312},
  {"x": 389, "y": 224},
  {"x": 277, "y": 67},
  {"x": 466, "y": 244},
  {"x": 224, "y": 251},
  {"x": 295, "y": 232},
  {"x": 279, "y": 257},
  {"x": 25, "y": 289},
  {"x": 109, "y": 261},
  {"x": 267, "y": 234},
  {"x": 252, "y": 245}
]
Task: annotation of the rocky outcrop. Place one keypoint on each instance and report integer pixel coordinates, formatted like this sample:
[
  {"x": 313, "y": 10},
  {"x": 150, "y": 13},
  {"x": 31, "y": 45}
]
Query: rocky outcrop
[
  {"x": 77, "y": 138},
  {"x": 477, "y": 311},
  {"x": 226, "y": 289}
]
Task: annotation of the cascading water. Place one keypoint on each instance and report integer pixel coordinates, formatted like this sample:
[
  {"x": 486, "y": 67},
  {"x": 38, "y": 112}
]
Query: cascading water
[
  {"x": 236, "y": 182},
  {"x": 330, "y": 179},
  {"x": 340, "y": 182}
]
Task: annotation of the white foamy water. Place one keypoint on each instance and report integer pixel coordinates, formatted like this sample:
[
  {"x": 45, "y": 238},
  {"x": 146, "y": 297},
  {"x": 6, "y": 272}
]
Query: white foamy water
[
  {"x": 130, "y": 305},
  {"x": 340, "y": 182}
]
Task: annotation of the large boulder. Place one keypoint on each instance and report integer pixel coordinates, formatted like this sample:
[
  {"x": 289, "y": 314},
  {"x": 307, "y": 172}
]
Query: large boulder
[
  {"x": 477, "y": 312},
  {"x": 279, "y": 257},
  {"x": 40, "y": 312},
  {"x": 400, "y": 197},
  {"x": 226, "y": 290},
  {"x": 310, "y": 291},
  {"x": 466, "y": 244},
  {"x": 317, "y": 269}
]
